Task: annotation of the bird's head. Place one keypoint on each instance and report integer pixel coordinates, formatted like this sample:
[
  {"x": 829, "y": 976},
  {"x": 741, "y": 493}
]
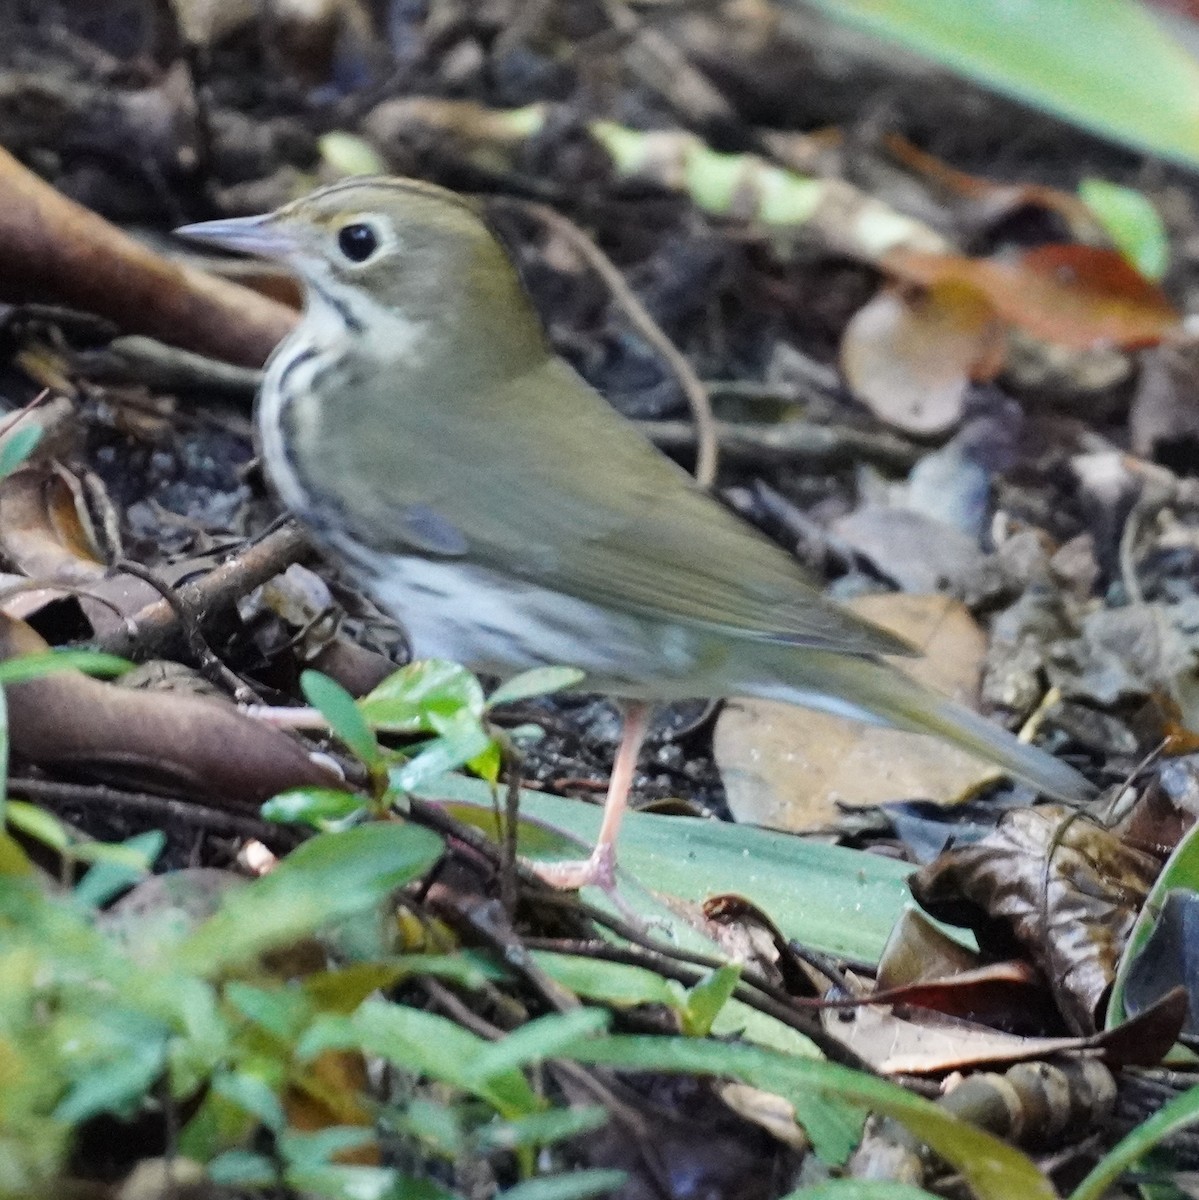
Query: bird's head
[{"x": 417, "y": 249}]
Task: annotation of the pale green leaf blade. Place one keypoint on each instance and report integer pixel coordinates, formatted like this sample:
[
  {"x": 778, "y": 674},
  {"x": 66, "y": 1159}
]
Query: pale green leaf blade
[
  {"x": 326, "y": 879},
  {"x": 338, "y": 707},
  {"x": 1130, "y": 220},
  {"x": 540, "y": 681},
  {"x": 1104, "y": 64}
]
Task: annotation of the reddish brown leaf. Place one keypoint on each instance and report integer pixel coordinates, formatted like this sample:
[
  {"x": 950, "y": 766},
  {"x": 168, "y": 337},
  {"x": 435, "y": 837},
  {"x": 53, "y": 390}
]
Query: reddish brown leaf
[
  {"x": 989, "y": 200},
  {"x": 1077, "y": 296}
]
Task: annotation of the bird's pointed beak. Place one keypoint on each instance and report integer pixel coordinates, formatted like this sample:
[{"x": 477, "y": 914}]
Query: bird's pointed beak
[{"x": 263, "y": 236}]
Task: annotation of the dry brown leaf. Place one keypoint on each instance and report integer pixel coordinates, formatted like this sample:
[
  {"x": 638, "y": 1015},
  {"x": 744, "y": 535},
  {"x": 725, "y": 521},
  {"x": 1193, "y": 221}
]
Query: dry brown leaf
[
  {"x": 910, "y": 355},
  {"x": 186, "y": 744},
  {"x": 53, "y": 250},
  {"x": 789, "y": 767},
  {"x": 931, "y": 1043},
  {"x": 1066, "y": 888},
  {"x": 1078, "y": 296},
  {"x": 992, "y": 201},
  {"x": 46, "y": 533}
]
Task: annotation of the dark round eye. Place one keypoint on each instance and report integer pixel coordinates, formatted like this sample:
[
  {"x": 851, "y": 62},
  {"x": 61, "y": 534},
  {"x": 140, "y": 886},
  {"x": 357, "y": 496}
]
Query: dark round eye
[{"x": 357, "y": 242}]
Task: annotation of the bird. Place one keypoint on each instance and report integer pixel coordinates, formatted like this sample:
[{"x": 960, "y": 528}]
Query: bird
[{"x": 419, "y": 423}]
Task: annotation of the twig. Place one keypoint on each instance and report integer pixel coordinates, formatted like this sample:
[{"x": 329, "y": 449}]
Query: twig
[
  {"x": 706, "y": 449},
  {"x": 147, "y": 632},
  {"x": 160, "y": 808},
  {"x": 790, "y": 441},
  {"x": 213, "y": 669}
]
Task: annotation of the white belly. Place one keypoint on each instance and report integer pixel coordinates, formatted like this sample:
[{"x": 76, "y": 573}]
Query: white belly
[{"x": 499, "y": 626}]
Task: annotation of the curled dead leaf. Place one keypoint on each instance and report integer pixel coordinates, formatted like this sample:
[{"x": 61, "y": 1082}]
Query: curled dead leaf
[
  {"x": 53, "y": 250},
  {"x": 187, "y": 744},
  {"x": 1066, "y": 888},
  {"x": 910, "y": 356}
]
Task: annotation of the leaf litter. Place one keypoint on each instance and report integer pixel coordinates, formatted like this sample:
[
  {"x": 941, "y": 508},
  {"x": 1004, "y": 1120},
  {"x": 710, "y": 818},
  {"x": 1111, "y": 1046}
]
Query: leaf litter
[{"x": 1006, "y": 454}]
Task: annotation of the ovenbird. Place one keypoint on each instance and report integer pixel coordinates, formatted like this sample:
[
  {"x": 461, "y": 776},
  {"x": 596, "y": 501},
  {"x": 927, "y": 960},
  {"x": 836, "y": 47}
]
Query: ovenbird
[{"x": 419, "y": 423}]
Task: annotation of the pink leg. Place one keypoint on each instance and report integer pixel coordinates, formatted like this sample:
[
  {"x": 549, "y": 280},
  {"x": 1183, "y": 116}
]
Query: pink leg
[{"x": 600, "y": 868}]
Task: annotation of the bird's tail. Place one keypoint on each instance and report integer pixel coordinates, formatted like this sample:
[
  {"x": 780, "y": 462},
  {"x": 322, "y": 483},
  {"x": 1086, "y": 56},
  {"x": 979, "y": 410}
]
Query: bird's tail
[{"x": 869, "y": 690}]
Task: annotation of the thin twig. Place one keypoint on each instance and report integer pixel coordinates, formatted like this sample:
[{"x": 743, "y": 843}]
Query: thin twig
[
  {"x": 147, "y": 632},
  {"x": 160, "y": 808},
  {"x": 211, "y": 666},
  {"x": 793, "y": 440},
  {"x": 706, "y": 452}
]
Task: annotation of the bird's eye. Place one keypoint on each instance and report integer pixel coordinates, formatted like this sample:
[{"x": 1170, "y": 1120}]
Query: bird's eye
[{"x": 357, "y": 241}]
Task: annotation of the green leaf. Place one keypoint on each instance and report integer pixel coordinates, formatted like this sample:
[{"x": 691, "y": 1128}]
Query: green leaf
[
  {"x": 1104, "y": 64},
  {"x": 37, "y": 666},
  {"x": 242, "y": 1168},
  {"x": 107, "y": 878},
  {"x": 254, "y": 1095},
  {"x": 305, "y": 1151},
  {"x": 417, "y": 696},
  {"x": 318, "y": 807},
  {"x": 338, "y": 707},
  {"x": 708, "y": 997},
  {"x": 1180, "y": 1113},
  {"x": 282, "y": 1011},
  {"x": 17, "y": 446},
  {"x": 121, "y": 1053},
  {"x": 535, "y": 1041},
  {"x": 542, "y": 1129},
  {"x": 1134, "y": 225},
  {"x": 860, "y": 1189},
  {"x": 326, "y": 879},
  {"x": 993, "y": 1169},
  {"x": 622, "y": 985},
  {"x": 424, "y": 1043},
  {"x": 38, "y": 824},
  {"x": 540, "y": 681},
  {"x": 488, "y": 764},
  {"x": 462, "y": 738},
  {"x": 577, "y": 1185}
]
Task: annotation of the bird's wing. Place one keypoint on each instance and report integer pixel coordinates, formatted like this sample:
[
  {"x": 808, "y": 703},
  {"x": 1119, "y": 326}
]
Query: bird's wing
[{"x": 550, "y": 485}]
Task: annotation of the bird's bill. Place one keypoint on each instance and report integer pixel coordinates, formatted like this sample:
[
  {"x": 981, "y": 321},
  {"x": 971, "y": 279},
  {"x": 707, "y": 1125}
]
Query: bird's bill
[{"x": 263, "y": 236}]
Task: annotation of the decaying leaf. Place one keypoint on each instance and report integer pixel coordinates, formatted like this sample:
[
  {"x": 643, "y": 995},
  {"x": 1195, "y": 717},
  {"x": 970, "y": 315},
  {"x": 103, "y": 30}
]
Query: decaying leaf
[
  {"x": 790, "y": 768},
  {"x": 985, "y": 202},
  {"x": 1064, "y": 887},
  {"x": 930, "y": 1043},
  {"x": 910, "y": 356},
  {"x": 47, "y": 534},
  {"x": 54, "y": 250},
  {"x": 185, "y": 744},
  {"x": 1078, "y": 296},
  {"x": 920, "y": 554}
]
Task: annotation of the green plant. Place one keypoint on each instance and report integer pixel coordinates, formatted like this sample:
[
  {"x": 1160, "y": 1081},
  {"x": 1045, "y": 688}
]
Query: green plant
[{"x": 438, "y": 699}]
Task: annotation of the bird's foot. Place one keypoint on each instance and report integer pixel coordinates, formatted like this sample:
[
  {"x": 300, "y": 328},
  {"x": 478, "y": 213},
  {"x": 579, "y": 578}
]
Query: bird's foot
[{"x": 597, "y": 871}]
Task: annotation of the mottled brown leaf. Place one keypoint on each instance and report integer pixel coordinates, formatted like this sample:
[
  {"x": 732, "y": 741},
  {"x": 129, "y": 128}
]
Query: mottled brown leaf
[{"x": 1065, "y": 888}]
